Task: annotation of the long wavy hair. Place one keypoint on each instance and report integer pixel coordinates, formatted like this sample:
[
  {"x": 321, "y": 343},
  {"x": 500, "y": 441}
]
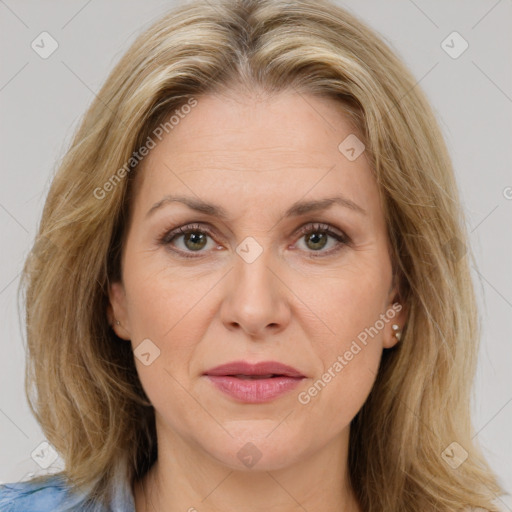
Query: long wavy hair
[{"x": 81, "y": 380}]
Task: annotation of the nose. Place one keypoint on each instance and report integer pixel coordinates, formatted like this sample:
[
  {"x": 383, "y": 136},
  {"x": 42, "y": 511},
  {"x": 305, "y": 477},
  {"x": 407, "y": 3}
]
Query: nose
[{"x": 256, "y": 298}]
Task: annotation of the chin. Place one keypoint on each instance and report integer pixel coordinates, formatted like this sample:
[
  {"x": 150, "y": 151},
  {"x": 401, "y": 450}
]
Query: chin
[{"x": 256, "y": 450}]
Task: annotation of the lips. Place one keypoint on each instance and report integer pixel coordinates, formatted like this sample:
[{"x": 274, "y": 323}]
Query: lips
[
  {"x": 264, "y": 369},
  {"x": 254, "y": 383}
]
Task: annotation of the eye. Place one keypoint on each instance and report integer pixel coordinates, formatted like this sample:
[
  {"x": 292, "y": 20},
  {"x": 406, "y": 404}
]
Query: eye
[
  {"x": 316, "y": 237},
  {"x": 195, "y": 239}
]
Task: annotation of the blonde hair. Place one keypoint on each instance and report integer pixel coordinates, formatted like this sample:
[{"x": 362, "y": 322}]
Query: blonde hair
[{"x": 81, "y": 381}]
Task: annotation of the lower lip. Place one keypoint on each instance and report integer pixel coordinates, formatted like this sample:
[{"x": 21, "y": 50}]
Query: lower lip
[{"x": 254, "y": 391}]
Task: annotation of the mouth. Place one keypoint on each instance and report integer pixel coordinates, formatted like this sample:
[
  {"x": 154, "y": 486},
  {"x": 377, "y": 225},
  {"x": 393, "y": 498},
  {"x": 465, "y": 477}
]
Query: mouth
[
  {"x": 261, "y": 370},
  {"x": 256, "y": 377},
  {"x": 254, "y": 383}
]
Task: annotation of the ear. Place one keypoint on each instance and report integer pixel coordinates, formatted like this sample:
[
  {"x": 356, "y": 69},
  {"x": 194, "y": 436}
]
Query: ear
[
  {"x": 117, "y": 310},
  {"x": 396, "y": 314}
]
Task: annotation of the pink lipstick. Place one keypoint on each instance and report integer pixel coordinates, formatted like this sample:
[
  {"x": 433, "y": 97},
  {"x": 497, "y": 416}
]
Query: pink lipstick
[{"x": 254, "y": 383}]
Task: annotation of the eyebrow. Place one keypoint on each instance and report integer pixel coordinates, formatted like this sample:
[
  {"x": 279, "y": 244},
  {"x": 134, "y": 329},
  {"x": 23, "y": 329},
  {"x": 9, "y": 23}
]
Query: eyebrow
[{"x": 297, "y": 209}]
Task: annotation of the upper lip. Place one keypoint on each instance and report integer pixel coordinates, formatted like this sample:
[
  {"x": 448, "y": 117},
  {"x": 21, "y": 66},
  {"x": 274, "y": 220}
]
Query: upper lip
[{"x": 260, "y": 368}]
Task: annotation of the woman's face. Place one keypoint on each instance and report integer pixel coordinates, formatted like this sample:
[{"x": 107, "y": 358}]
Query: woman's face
[{"x": 249, "y": 286}]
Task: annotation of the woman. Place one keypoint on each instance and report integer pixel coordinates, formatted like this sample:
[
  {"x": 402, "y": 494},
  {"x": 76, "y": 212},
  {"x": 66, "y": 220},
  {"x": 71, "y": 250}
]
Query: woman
[{"x": 249, "y": 289}]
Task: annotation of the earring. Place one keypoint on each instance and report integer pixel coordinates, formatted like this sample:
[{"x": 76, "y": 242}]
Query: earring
[
  {"x": 397, "y": 332},
  {"x": 117, "y": 322}
]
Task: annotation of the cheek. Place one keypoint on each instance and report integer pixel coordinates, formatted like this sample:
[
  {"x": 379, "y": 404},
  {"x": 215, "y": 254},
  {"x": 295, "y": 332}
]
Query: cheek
[
  {"x": 166, "y": 309},
  {"x": 348, "y": 350},
  {"x": 335, "y": 398},
  {"x": 345, "y": 302},
  {"x": 160, "y": 299},
  {"x": 173, "y": 309},
  {"x": 347, "y": 332}
]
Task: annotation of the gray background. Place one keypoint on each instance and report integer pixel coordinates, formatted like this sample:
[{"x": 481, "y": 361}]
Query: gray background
[{"x": 42, "y": 101}]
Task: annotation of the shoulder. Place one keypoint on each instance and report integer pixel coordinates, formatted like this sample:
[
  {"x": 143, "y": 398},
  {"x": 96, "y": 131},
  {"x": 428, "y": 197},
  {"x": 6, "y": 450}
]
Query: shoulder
[{"x": 48, "y": 495}]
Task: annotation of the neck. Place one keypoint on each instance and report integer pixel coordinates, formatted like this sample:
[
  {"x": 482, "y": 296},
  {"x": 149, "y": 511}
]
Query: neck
[{"x": 185, "y": 480}]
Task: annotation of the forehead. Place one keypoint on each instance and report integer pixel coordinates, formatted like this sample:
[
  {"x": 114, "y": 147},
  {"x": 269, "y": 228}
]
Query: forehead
[{"x": 244, "y": 149}]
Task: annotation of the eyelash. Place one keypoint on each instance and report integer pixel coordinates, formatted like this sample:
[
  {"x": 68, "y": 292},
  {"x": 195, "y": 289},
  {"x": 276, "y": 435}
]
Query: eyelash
[{"x": 168, "y": 236}]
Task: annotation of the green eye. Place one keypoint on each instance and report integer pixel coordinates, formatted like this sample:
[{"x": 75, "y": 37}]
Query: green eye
[{"x": 195, "y": 239}]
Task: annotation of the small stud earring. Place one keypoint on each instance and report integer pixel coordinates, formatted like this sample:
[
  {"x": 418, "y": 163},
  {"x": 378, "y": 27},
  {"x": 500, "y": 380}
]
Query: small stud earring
[
  {"x": 117, "y": 322},
  {"x": 396, "y": 329}
]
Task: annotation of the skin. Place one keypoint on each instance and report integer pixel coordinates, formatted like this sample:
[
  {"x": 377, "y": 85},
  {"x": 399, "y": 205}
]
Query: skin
[{"x": 255, "y": 156}]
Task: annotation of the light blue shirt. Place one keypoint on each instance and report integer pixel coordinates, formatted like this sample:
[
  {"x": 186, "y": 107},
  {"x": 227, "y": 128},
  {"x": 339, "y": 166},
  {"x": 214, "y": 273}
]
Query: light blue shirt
[{"x": 54, "y": 496}]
